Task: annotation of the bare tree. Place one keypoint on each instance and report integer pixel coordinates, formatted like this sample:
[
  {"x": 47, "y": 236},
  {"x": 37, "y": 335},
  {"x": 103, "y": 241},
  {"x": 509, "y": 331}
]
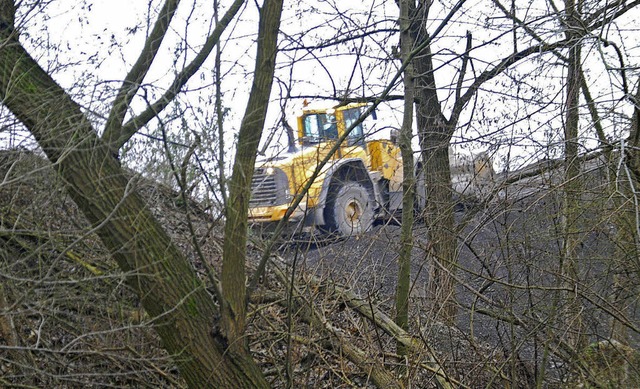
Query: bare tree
[
  {"x": 167, "y": 285},
  {"x": 320, "y": 314},
  {"x": 233, "y": 271},
  {"x": 409, "y": 184},
  {"x": 435, "y": 131}
]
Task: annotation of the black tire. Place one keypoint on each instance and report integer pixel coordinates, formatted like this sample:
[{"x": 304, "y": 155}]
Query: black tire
[{"x": 349, "y": 209}]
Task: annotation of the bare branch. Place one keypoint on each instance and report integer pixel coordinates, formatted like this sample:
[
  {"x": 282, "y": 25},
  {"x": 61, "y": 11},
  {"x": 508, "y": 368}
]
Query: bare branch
[
  {"x": 133, "y": 125},
  {"x": 463, "y": 68},
  {"x": 340, "y": 41},
  {"x": 499, "y": 68},
  {"x": 602, "y": 17},
  {"x": 132, "y": 81}
]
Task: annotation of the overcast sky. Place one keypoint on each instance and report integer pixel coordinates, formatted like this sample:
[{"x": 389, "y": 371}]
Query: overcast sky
[{"x": 90, "y": 45}]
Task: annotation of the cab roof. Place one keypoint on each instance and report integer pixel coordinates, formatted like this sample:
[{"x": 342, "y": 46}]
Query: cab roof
[{"x": 314, "y": 108}]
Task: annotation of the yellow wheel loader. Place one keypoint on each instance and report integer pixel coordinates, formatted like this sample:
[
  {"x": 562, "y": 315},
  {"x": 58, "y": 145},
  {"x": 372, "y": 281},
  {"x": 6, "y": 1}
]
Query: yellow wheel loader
[{"x": 361, "y": 182}]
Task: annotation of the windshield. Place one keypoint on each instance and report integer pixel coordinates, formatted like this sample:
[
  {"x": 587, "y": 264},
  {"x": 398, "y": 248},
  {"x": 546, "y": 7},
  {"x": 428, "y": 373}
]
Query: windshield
[
  {"x": 320, "y": 126},
  {"x": 356, "y": 135}
]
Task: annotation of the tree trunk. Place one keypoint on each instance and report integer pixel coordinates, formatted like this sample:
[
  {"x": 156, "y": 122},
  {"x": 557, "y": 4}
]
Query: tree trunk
[
  {"x": 434, "y": 133},
  {"x": 183, "y": 312},
  {"x": 408, "y": 186},
  {"x": 235, "y": 242},
  {"x": 572, "y": 315},
  {"x": 440, "y": 221},
  {"x": 627, "y": 255}
]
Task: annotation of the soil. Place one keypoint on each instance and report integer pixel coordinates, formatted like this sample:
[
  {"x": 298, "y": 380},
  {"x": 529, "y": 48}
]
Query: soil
[
  {"x": 510, "y": 256},
  {"x": 76, "y": 324}
]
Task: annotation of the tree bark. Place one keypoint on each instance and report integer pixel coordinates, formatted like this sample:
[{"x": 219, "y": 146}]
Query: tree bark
[
  {"x": 408, "y": 185},
  {"x": 183, "y": 312},
  {"x": 434, "y": 133},
  {"x": 440, "y": 220},
  {"x": 572, "y": 316},
  {"x": 235, "y": 242}
]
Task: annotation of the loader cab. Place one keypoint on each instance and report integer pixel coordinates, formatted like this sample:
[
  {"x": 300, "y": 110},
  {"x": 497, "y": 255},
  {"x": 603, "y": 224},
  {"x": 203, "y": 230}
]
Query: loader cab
[
  {"x": 322, "y": 125},
  {"x": 319, "y": 127}
]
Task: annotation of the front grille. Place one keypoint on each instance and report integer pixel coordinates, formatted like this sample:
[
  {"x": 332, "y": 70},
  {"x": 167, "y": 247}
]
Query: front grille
[{"x": 268, "y": 189}]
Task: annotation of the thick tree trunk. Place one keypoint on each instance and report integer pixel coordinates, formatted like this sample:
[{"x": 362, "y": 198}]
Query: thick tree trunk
[
  {"x": 183, "y": 312},
  {"x": 434, "y": 135},
  {"x": 440, "y": 220}
]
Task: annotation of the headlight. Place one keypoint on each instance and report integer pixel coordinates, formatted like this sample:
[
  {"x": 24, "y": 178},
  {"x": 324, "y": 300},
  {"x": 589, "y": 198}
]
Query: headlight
[{"x": 269, "y": 171}]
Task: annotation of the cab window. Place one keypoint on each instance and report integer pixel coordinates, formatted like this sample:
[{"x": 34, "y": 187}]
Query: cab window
[
  {"x": 356, "y": 136},
  {"x": 318, "y": 127}
]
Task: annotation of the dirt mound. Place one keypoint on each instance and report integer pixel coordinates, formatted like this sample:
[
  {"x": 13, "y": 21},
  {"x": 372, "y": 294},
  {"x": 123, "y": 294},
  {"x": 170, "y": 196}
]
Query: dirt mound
[{"x": 69, "y": 318}]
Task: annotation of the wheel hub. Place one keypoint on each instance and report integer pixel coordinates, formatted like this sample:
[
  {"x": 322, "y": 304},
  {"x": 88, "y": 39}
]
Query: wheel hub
[{"x": 353, "y": 212}]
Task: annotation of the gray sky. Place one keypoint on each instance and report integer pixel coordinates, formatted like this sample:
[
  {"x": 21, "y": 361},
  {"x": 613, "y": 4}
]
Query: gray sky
[{"x": 90, "y": 45}]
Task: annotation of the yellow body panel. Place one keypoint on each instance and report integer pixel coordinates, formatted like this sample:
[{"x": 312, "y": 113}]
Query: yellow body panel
[
  {"x": 299, "y": 170},
  {"x": 272, "y": 214},
  {"x": 385, "y": 157},
  {"x": 303, "y": 167}
]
